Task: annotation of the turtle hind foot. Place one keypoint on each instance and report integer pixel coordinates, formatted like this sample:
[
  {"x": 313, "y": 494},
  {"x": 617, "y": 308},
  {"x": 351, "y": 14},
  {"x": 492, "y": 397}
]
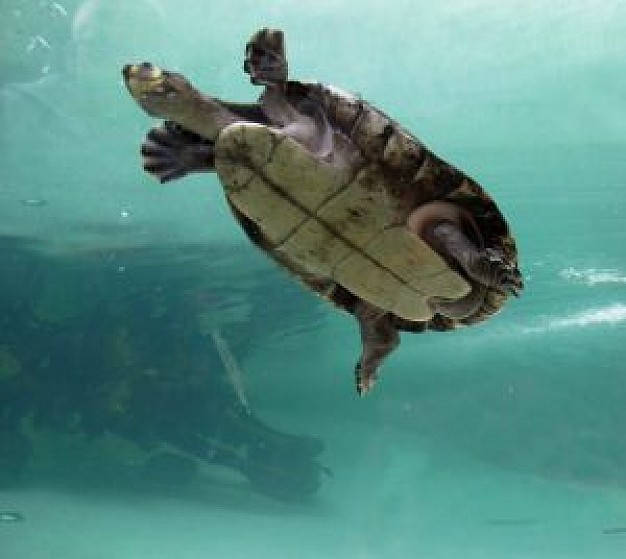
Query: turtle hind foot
[
  {"x": 503, "y": 276},
  {"x": 170, "y": 152},
  {"x": 364, "y": 378},
  {"x": 379, "y": 337},
  {"x": 487, "y": 266}
]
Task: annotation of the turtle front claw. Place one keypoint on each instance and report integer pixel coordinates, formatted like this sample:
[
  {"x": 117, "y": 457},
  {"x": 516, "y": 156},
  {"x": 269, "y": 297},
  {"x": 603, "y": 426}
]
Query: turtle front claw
[{"x": 171, "y": 152}]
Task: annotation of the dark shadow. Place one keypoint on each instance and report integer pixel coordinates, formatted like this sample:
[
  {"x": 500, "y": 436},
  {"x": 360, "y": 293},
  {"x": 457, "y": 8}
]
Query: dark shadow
[{"x": 143, "y": 344}]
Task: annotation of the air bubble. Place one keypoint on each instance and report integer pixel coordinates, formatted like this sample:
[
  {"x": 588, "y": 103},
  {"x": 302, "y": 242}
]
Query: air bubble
[
  {"x": 34, "y": 202},
  {"x": 37, "y": 41},
  {"x": 59, "y": 9}
]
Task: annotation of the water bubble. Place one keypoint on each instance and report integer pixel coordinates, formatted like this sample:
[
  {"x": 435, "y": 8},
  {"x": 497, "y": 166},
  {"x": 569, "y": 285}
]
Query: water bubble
[
  {"x": 593, "y": 276},
  {"x": 59, "y": 9},
  {"x": 34, "y": 202},
  {"x": 37, "y": 41}
]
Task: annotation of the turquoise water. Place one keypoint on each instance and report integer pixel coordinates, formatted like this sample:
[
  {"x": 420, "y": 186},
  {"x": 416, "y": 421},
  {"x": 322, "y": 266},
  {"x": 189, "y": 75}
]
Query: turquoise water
[{"x": 505, "y": 440}]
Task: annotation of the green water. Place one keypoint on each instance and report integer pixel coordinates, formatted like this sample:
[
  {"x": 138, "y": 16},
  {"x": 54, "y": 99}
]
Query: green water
[{"x": 505, "y": 440}]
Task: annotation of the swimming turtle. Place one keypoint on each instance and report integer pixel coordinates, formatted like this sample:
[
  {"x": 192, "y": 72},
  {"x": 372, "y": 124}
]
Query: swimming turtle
[{"x": 341, "y": 195}]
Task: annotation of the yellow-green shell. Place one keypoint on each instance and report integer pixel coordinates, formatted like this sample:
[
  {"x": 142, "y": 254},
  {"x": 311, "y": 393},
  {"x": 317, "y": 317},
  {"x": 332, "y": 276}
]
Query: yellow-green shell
[{"x": 335, "y": 222}]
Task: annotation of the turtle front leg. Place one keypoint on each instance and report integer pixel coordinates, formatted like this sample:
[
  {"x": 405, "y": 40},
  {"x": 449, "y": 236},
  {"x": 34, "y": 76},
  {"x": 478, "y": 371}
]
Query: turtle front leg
[
  {"x": 379, "y": 337},
  {"x": 170, "y": 152},
  {"x": 487, "y": 266}
]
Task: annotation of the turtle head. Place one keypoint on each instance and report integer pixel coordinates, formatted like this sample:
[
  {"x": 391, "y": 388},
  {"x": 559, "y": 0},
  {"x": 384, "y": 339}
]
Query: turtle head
[
  {"x": 160, "y": 93},
  {"x": 266, "y": 59}
]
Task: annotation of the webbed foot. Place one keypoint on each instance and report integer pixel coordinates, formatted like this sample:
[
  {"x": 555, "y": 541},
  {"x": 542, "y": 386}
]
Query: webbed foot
[
  {"x": 171, "y": 152},
  {"x": 379, "y": 337},
  {"x": 488, "y": 266},
  {"x": 365, "y": 377}
]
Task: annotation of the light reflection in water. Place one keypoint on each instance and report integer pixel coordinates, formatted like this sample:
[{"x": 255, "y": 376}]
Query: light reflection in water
[
  {"x": 593, "y": 276},
  {"x": 608, "y": 315}
]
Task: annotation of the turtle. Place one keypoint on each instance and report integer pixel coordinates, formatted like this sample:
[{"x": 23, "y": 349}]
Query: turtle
[{"x": 339, "y": 194}]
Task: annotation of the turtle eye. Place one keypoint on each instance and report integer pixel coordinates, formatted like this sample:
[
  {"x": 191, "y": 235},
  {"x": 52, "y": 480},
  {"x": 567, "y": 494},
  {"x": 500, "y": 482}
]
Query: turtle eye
[
  {"x": 175, "y": 83},
  {"x": 170, "y": 91},
  {"x": 165, "y": 89}
]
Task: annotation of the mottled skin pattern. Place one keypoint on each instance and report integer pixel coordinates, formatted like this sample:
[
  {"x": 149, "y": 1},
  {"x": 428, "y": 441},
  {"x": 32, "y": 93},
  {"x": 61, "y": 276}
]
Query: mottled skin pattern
[{"x": 484, "y": 252}]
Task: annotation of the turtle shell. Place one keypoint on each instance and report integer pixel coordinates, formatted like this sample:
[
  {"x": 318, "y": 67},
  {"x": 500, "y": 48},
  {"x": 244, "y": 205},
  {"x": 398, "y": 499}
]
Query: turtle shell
[
  {"x": 341, "y": 228},
  {"x": 419, "y": 176}
]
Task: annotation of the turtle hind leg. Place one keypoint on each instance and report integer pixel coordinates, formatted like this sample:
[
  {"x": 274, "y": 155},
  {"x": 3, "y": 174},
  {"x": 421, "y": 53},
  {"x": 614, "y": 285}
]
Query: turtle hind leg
[
  {"x": 486, "y": 266},
  {"x": 379, "y": 337},
  {"x": 170, "y": 152}
]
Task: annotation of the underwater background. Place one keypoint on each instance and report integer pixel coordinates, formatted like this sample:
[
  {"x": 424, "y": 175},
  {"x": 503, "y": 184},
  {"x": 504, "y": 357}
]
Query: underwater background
[{"x": 166, "y": 392}]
